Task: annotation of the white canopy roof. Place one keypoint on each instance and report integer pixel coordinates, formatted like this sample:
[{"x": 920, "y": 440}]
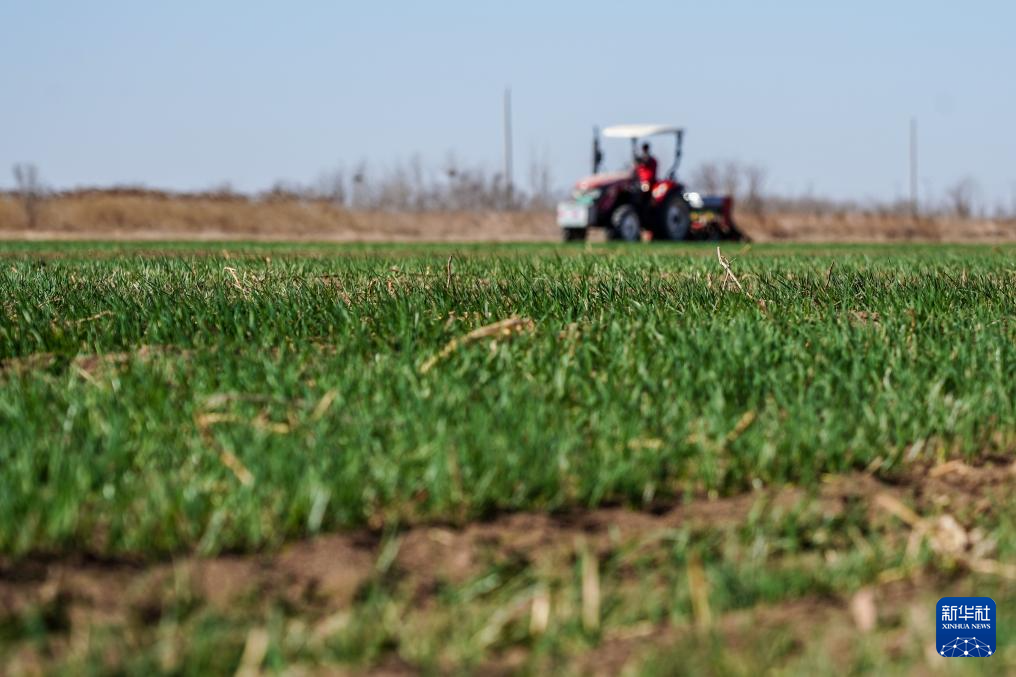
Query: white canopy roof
[{"x": 638, "y": 131}]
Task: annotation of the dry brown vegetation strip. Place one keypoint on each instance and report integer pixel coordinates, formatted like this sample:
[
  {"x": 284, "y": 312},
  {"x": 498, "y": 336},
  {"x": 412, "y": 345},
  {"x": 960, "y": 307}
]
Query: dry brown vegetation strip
[{"x": 150, "y": 215}]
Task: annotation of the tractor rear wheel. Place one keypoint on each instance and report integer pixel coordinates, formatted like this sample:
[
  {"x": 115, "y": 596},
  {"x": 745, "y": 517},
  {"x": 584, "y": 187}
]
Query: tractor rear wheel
[
  {"x": 625, "y": 224},
  {"x": 674, "y": 219},
  {"x": 574, "y": 234}
]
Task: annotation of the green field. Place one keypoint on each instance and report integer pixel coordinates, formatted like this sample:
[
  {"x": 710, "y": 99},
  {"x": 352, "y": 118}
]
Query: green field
[{"x": 526, "y": 458}]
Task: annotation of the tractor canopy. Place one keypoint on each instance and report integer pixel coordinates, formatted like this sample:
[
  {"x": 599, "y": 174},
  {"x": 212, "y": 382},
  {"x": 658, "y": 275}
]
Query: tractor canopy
[
  {"x": 638, "y": 131},
  {"x": 635, "y": 132}
]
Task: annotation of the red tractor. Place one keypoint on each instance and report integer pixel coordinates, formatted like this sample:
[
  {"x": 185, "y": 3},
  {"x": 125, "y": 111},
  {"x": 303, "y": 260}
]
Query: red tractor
[{"x": 632, "y": 202}]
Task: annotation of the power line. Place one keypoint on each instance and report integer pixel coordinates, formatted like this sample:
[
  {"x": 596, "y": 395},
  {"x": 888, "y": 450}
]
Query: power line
[{"x": 913, "y": 169}]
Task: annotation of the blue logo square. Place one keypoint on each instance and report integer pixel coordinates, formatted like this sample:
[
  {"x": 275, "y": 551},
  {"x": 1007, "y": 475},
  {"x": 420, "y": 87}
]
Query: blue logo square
[{"x": 966, "y": 627}]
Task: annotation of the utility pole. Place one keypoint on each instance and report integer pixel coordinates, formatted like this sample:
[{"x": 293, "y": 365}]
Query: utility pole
[
  {"x": 913, "y": 169},
  {"x": 509, "y": 187}
]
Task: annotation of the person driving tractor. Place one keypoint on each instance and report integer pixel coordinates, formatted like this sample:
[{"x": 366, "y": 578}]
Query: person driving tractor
[{"x": 645, "y": 166}]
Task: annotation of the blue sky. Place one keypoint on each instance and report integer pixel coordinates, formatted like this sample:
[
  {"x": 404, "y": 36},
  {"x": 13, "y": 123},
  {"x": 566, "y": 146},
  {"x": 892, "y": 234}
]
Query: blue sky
[{"x": 189, "y": 95}]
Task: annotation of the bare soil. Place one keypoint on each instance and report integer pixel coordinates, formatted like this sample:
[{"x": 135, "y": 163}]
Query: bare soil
[{"x": 320, "y": 575}]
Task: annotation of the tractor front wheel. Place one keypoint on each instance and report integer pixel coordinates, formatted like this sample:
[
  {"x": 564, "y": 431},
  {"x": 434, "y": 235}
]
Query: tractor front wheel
[{"x": 625, "y": 224}]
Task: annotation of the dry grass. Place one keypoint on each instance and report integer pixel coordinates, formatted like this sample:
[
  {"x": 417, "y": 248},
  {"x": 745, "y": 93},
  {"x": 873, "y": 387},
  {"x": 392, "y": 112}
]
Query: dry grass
[
  {"x": 151, "y": 215},
  {"x": 155, "y": 216},
  {"x": 829, "y": 227},
  {"x": 11, "y": 214}
]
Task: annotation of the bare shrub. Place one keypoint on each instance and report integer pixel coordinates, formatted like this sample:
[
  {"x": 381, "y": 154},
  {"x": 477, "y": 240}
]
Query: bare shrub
[
  {"x": 732, "y": 176},
  {"x": 706, "y": 178},
  {"x": 755, "y": 178},
  {"x": 900, "y": 207},
  {"x": 393, "y": 191},
  {"x": 454, "y": 187},
  {"x": 331, "y": 187},
  {"x": 744, "y": 182},
  {"x": 282, "y": 191},
  {"x": 29, "y": 191},
  {"x": 541, "y": 194},
  {"x": 960, "y": 198},
  {"x": 361, "y": 187},
  {"x": 413, "y": 186},
  {"x": 224, "y": 192},
  {"x": 418, "y": 183}
]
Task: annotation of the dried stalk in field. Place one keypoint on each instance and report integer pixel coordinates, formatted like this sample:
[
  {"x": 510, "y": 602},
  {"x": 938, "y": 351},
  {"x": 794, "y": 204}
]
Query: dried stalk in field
[
  {"x": 729, "y": 274},
  {"x": 504, "y": 328}
]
